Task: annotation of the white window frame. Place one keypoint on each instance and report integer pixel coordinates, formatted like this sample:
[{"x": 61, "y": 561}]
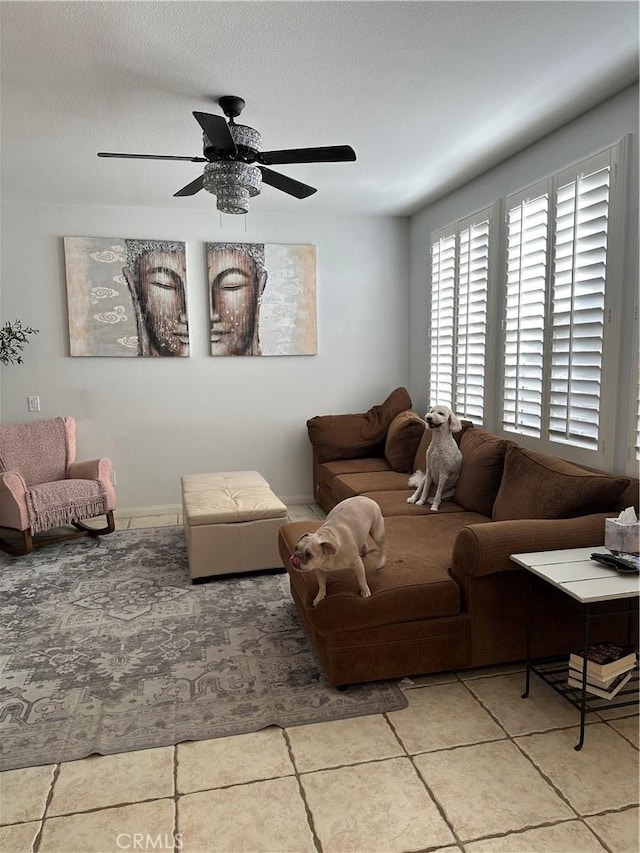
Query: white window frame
[{"x": 603, "y": 456}]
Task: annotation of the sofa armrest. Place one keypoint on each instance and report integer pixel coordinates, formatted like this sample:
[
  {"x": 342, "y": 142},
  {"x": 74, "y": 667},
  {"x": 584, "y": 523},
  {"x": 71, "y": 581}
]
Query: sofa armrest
[
  {"x": 484, "y": 549},
  {"x": 93, "y": 469},
  {"x": 13, "y": 502}
]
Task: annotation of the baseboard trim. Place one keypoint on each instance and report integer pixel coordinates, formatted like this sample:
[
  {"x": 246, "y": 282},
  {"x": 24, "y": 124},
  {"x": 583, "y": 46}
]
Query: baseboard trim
[
  {"x": 138, "y": 511},
  {"x": 296, "y": 500}
]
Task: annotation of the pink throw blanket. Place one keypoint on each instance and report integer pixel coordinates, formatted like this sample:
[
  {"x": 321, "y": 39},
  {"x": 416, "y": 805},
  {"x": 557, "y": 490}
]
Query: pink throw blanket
[{"x": 64, "y": 501}]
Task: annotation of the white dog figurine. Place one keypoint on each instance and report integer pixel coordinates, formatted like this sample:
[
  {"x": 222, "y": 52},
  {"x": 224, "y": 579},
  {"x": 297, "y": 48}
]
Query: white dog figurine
[
  {"x": 341, "y": 543},
  {"x": 443, "y": 462}
]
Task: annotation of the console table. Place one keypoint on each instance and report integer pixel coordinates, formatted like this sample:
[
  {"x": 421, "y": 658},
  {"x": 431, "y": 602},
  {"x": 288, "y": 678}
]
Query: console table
[{"x": 586, "y": 582}]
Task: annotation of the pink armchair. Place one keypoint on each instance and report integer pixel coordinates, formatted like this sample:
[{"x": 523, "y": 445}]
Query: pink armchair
[{"x": 42, "y": 486}]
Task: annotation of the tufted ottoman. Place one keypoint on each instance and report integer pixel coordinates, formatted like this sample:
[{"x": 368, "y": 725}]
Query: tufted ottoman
[{"x": 231, "y": 522}]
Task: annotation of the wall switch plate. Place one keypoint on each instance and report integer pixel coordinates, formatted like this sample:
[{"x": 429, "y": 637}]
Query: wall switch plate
[
  {"x": 113, "y": 476},
  {"x": 33, "y": 404}
]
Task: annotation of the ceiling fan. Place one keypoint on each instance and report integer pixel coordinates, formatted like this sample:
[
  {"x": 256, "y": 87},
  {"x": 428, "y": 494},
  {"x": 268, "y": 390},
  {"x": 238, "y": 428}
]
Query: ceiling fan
[{"x": 236, "y": 165}]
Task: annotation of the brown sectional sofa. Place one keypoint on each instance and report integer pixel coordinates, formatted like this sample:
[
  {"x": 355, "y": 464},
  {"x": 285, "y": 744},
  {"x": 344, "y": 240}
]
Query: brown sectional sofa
[{"x": 449, "y": 596}]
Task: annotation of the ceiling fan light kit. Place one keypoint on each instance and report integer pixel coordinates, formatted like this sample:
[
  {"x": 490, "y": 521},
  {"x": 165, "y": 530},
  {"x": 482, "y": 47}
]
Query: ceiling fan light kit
[
  {"x": 230, "y": 151},
  {"x": 233, "y": 184}
]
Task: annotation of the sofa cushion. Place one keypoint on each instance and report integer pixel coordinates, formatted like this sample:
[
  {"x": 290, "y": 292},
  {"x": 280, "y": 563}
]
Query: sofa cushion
[
  {"x": 482, "y": 464},
  {"x": 362, "y": 434},
  {"x": 403, "y": 438},
  {"x": 394, "y": 502},
  {"x": 630, "y": 496},
  {"x": 414, "y": 585},
  {"x": 535, "y": 485},
  {"x": 349, "y": 485},
  {"x": 326, "y": 471}
]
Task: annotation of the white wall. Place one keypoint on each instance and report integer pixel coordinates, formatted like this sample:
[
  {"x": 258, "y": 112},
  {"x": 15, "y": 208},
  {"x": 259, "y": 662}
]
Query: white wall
[
  {"x": 158, "y": 418},
  {"x": 591, "y": 132}
]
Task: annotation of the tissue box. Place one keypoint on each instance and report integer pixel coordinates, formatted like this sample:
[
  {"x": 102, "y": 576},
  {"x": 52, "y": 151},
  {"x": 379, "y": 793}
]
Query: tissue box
[{"x": 622, "y": 538}]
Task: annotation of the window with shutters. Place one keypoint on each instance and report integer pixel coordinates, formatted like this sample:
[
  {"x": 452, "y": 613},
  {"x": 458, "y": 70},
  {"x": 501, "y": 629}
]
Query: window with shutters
[
  {"x": 458, "y": 334},
  {"x": 524, "y": 312},
  {"x": 557, "y": 241}
]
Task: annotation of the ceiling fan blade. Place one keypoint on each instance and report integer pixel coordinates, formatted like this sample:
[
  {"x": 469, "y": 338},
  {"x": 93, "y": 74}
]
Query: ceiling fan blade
[
  {"x": 217, "y": 131},
  {"x": 192, "y": 188},
  {"x": 327, "y": 154},
  {"x": 152, "y": 157},
  {"x": 287, "y": 185}
]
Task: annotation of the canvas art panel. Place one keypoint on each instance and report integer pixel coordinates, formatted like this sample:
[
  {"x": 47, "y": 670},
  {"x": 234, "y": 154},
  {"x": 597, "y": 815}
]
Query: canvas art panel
[
  {"x": 126, "y": 297},
  {"x": 262, "y": 299}
]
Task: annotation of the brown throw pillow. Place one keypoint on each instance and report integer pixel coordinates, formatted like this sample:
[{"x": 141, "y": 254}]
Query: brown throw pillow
[
  {"x": 535, "y": 485},
  {"x": 482, "y": 464},
  {"x": 349, "y": 436},
  {"x": 419, "y": 460},
  {"x": 403, "y": 437}
]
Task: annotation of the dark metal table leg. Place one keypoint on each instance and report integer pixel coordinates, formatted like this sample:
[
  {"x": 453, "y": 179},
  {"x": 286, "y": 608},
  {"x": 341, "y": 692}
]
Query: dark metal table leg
[
  {"x": 583, "y": 696},
  {"x": 527, "y": 676}
]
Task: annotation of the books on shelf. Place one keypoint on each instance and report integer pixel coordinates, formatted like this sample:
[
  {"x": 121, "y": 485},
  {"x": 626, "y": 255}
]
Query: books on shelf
[
  {"x": 603, "y": 683},
  {"x": 604, "y": 660},
  {"x": 615, "y": 685}
]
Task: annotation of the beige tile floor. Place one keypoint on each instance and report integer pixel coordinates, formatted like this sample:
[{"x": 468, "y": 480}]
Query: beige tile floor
[{"x": 467, "y": 766}]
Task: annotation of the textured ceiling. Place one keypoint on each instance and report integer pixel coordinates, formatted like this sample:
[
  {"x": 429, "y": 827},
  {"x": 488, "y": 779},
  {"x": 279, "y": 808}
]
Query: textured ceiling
[{"x": 428, "y": 93}]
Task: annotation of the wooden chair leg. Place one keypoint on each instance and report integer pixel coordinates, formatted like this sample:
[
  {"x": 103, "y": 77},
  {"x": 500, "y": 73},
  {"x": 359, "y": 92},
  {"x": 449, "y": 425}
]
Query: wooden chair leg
[
  {"x": 20, "y": 548},
  {"x": 27, "y": 545}
]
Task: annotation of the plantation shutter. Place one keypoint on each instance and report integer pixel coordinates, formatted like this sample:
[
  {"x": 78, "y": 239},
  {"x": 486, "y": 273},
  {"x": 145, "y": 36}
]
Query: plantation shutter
[
  {"x": 524, "y": 317},
  {"x": 578, "y": 303},
  {"x": 549, "y": 317},
  {"x": 471, "y": 331},
  {"x": 443, "y": 263}
]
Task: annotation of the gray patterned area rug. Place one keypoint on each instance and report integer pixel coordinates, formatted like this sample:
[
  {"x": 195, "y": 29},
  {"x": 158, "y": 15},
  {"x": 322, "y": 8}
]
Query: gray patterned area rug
[{"x": 108, "y": 647}]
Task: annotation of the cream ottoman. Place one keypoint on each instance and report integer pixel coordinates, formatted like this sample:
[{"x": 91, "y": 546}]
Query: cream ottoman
[{"x": 231, "y": 522}]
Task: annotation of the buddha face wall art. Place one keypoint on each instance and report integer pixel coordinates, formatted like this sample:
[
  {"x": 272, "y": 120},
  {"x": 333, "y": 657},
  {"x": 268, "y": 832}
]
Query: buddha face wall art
[
  {"x": 262, "y": 299},
  {"x": 126, "y": 297}
]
